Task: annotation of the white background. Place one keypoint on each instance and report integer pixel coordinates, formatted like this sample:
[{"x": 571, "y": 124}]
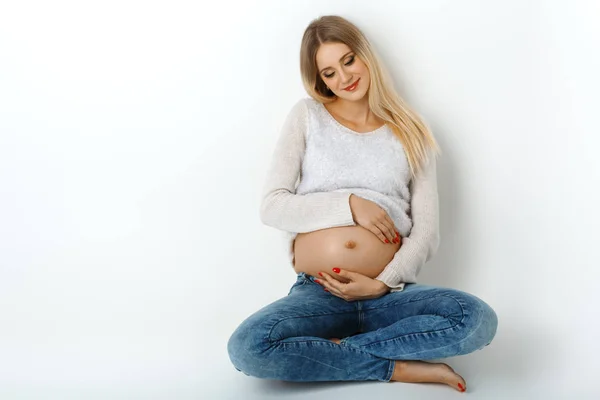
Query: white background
[{"x": 134, "y": 142}]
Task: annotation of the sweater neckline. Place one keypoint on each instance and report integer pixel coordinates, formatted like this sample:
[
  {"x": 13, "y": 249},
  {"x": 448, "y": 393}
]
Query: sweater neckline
[{"x": 345, "y": 128}]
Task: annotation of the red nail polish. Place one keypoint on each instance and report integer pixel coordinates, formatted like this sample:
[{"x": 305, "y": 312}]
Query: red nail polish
[
  {"x": 387, "y": 241},
  {"x": 462, "y": 389},
  {"x": 316, "y": 280},
  {"x": 320, "y": 274},
  {"x": 336, "y": 270},
  {"x": 325, "y": 289}
]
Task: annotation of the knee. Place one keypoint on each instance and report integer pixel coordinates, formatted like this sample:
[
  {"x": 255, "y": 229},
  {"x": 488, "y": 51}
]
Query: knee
[
  {"x": 245, "y": 346},
  {"x": 483, "y": 324}
]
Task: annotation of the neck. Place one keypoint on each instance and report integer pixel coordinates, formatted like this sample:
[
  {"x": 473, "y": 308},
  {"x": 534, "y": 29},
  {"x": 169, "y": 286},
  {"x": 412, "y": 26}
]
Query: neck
[{"x": 357, "y": 111}]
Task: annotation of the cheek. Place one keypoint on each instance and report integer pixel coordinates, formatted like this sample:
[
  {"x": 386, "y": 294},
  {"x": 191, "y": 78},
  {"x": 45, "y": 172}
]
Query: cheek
[
  {"x": 361, "y": 68},
  {"x": 364, "y": 73}
]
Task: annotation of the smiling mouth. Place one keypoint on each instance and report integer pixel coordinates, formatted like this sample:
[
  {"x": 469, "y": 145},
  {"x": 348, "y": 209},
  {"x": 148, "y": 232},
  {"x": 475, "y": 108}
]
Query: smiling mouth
[{"x": 353, "y": 86}]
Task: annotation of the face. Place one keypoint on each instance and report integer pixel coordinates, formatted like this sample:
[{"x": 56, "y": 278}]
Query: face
[{"x": 339, "y": 67}]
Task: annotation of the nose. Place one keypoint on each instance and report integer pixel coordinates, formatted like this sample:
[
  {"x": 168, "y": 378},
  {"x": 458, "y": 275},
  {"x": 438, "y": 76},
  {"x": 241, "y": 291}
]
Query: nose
[{"x": 346, "y": 78}]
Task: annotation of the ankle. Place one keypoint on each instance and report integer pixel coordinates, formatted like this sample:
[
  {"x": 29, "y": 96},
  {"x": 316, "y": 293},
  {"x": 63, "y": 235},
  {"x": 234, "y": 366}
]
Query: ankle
[{"x": 399, "y": 366}]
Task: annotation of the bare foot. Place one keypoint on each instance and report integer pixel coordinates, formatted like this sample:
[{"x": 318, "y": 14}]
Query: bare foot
[{"x": 421, "y": 371}]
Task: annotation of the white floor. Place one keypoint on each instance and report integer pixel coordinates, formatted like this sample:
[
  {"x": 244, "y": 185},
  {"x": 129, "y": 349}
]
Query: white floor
[
  {"x": 182, "y": 360},
  {"x": 503, "y": 370}
]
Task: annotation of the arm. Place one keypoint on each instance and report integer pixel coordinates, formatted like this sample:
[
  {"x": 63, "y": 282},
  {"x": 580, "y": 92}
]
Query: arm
[
  {"x": 424, "y": 239},
  {"x": 281, "y": 207}
]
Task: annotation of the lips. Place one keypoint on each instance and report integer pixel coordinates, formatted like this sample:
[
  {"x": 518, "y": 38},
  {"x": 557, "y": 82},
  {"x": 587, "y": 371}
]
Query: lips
[{"x": 353, "y": 86}]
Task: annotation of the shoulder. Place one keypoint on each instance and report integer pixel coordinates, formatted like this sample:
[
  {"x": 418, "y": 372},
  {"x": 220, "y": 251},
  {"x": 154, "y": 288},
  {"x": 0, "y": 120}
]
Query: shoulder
[
  {"x": 298, "y": 110},
  {"x": 304, "y": 109},
  {"x": 305, "y": 104}
]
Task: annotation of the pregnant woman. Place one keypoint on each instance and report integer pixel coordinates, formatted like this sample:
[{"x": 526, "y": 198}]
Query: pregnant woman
[{"x": 353, "y": 185}]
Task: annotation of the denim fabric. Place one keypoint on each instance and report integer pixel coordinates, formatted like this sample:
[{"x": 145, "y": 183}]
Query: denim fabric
[{"x": 289, "y": 338}]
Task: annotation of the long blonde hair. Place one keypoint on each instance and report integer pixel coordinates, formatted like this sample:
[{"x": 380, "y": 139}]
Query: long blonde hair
[{"x": 384, "y": 102}]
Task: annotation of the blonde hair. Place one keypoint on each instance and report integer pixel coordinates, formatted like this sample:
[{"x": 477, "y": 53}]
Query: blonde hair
[{"x": 384, "y": 102}]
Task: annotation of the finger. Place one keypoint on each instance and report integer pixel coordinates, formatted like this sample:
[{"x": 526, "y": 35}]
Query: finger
[
  {"x": 348, "y": 276},
  {"x": 324, "y": 276},
  {"x": 385, "y": 230},
  {"x": 327, "y": 285},
  {"x": 336, "y": 277},
  {"x": 392, "y": 230},
  {"x": 377, "y": 231},
  {"x": 392, "y": 226},
  {"x": 337, "y": 285}
]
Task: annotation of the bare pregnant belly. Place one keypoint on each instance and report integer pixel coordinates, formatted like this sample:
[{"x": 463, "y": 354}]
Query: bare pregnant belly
[{"x": 353, "y": 248}]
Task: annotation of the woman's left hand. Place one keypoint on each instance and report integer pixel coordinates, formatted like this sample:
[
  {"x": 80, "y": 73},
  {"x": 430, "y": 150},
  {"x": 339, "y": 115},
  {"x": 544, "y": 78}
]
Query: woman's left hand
[{"x": 358, "y": 286}]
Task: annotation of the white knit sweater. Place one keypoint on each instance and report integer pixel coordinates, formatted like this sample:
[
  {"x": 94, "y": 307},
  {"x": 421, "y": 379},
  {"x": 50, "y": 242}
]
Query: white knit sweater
[{"x": 318, "y": 163}]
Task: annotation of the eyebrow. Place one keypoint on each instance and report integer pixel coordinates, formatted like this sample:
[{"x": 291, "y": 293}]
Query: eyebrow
[{"x": 344, "y": 56}]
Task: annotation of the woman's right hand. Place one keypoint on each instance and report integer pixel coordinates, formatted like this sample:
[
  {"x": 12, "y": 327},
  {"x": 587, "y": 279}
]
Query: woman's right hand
[{"x": 374, "y": 218}]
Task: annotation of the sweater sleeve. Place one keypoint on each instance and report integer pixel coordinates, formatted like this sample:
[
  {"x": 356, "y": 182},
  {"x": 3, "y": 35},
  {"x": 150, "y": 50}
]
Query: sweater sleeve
[
  {"x": 423, "y": 241},
  {"x": 281, "y": 207}
]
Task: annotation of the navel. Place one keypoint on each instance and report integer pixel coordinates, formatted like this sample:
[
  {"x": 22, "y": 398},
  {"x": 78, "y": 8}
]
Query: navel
[{"x": 350, "y": 244}]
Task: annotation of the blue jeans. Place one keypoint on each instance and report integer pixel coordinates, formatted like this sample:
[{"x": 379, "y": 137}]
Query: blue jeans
[{"x": 289, "y": 339}]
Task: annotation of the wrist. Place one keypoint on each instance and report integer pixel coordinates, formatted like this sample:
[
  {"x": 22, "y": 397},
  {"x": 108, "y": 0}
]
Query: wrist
[{"x": 382, "y": 287}]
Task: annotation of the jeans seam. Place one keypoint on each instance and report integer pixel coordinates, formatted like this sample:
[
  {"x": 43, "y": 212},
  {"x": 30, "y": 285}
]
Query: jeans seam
[
  {"x": 425, "y": 298},
  {"x": 361, "y": 315},
  {"x": 455, "y": 343},
  {"x": 420, "y": 333},
  {"x": 300, "y": 316},
  {"x": 325, "y": 342},
  {"x": 472, "y": 332},
  {"x": 462, "y": 309}
]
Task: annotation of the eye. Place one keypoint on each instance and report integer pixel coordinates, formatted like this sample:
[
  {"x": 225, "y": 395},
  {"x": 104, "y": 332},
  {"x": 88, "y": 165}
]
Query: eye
[{"x": 349, "y": 62}]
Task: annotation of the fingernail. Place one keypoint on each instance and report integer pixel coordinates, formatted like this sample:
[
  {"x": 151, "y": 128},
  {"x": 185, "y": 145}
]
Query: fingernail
[
  {"x": 316, "y": 280},
  {"x": 397, "y": 233},
  {"x": 320, "y": 274},
  {"x": 325, "y": 289},
  {"x": 462, "y": 389},
  {"x": 336, "y": 270},
  {"x": 387, "y": 241}
]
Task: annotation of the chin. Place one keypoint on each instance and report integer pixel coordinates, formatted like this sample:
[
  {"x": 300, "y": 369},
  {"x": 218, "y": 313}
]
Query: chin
[{"x": 357, "y": 97}]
